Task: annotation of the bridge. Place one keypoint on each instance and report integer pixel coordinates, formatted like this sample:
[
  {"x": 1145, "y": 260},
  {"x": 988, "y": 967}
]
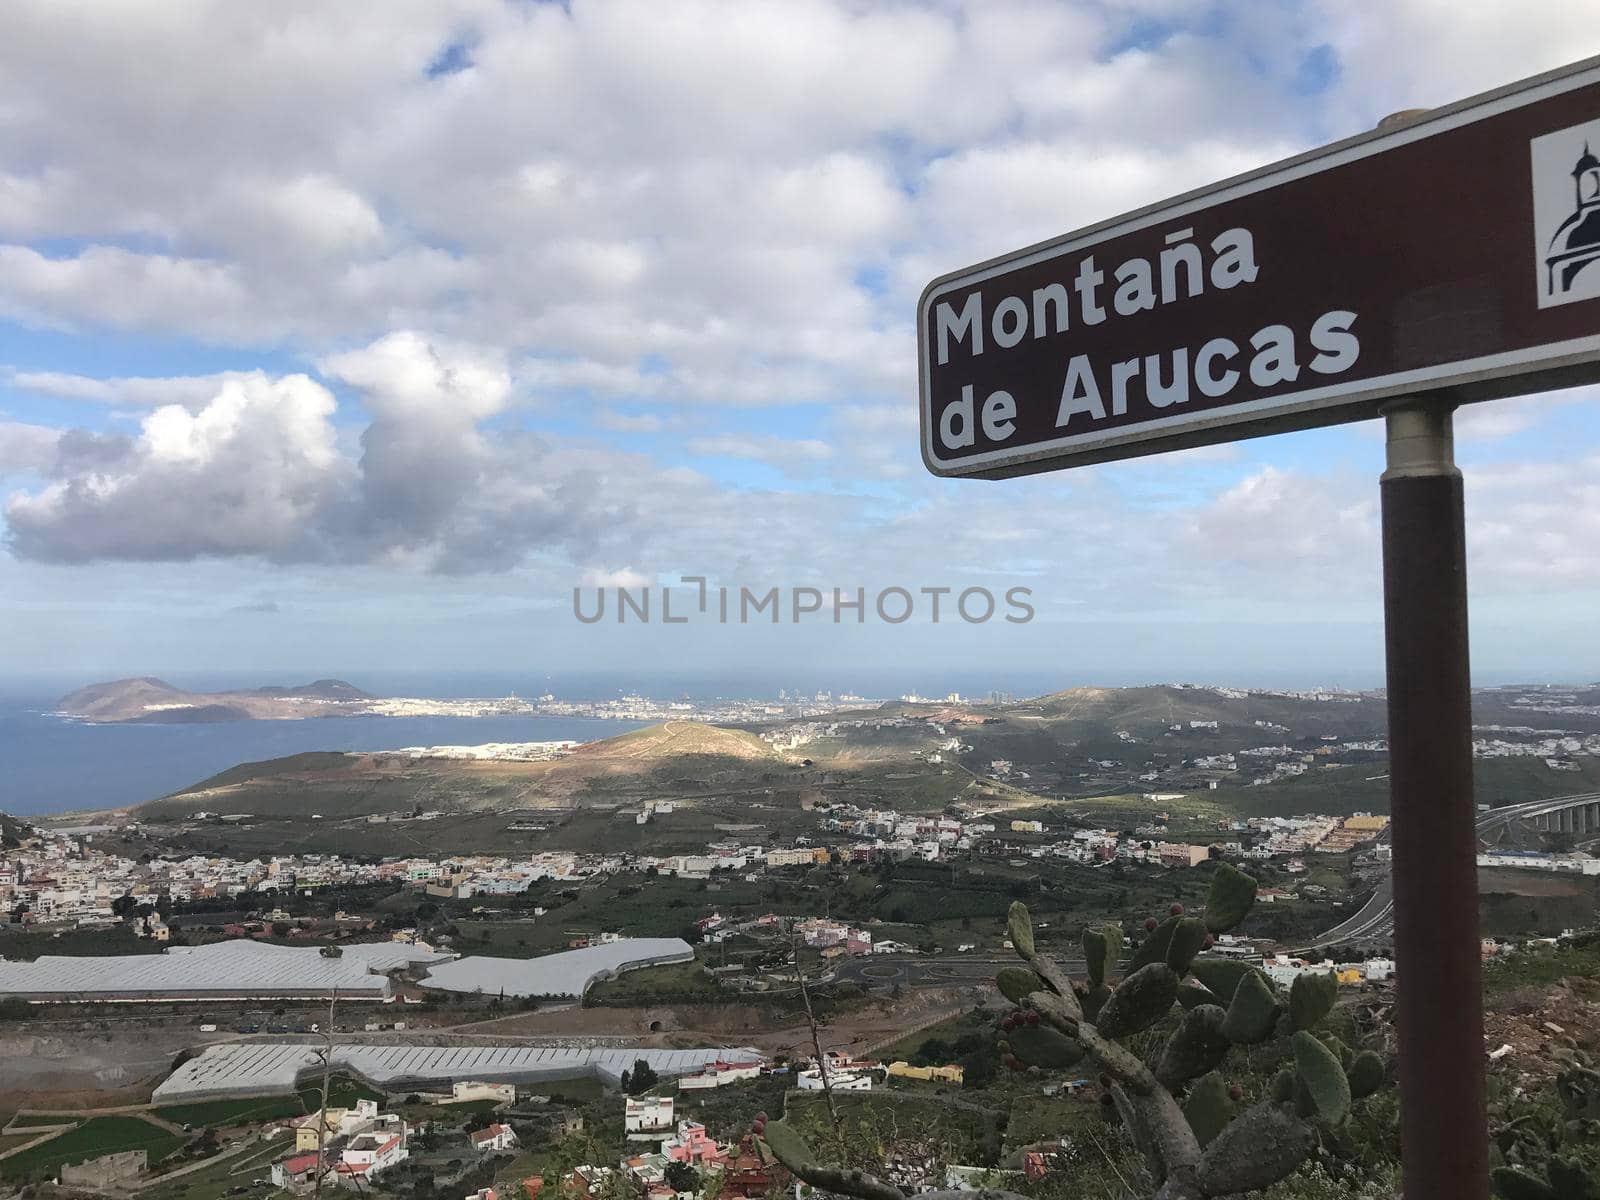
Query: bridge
[{"x": 1562, "y": 814}]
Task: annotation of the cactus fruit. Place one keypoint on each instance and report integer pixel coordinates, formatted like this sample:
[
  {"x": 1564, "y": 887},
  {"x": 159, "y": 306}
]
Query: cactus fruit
[
  {"x": 1324, "y": 1079},
  {"x": 1232, "y": 895},
  {"x": 1018, "y": 983},
  {"x": 1188, "y": 938},
  {"x": 1365, "y": 1073},
  {"x": 1311, "y": 998},
  {"x": 1252, "y": 1013},
  {"x": 1144, "y": 998},
  {"x": 1198, "y": 1045},
  {"x": 1208, "y": 1108},
  {"x": 1043, "y": 1046}
]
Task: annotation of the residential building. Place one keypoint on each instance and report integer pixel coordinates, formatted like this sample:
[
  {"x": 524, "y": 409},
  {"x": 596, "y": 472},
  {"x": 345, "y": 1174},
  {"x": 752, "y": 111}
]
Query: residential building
[
  {"x": 296, "y": 1173},
  {"x": 647, "y": 1114},
  {"x": 491, "y": 1138},
  {"x": 948, "y": 1074},
  {"x": 369, "y": 1154},
  {"x": 469, "y": 1091},
  {"x": 692, "y": 1145},
  {"x": 719, "y": 1074}
]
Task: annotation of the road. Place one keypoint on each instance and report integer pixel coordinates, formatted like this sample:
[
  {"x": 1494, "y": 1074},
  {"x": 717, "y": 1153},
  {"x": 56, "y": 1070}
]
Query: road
[
  {"x": 890, "y": 969},
  {"x": 1376, "y": 917}
]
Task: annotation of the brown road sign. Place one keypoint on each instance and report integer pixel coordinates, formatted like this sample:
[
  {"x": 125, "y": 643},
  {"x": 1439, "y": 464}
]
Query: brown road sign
[{"x": 1458, "y": 253}]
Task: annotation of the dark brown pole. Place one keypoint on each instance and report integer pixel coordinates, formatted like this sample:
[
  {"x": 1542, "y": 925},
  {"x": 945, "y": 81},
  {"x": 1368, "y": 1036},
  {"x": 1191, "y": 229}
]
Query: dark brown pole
[{"x": 1443, "y": 1126}]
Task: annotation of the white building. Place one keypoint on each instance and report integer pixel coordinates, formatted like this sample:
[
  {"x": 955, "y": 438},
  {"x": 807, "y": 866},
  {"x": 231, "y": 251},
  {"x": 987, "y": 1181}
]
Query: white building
[
  {"x": 647, "y": 1114},
  {"x": 810, "y": 1080},
  {"x": 369, "y": 1154},
  {"x": 491, "y": 1138},
  {"x": 468, "y": 1091},
  {"x": 719, "y": 1074}
]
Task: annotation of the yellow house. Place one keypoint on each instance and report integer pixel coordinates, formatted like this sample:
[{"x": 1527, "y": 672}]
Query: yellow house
[
  {"x": 305, "y": 1134},
  {"x": 950, "y": 1074},
  {"x": 1349, "y": 976}
]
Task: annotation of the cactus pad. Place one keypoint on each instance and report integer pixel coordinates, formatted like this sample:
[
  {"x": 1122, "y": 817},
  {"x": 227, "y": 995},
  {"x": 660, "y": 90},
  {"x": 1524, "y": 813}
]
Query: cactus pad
[
  {"x": 1198, "y": 1045},
  {"x": 1208, "y": 1108},
  {"x": 1232, "y": 895},
  {"x": 791, "y": 1149},
  {"x": 1101, "y": 950},
  {"x": 1512, "y": 1184},
  {"x": 1365, "y": 1073},
  {"x": 1019, "y": 924},
  {"x": 1191, "y": 995},
  {"x": 1018, "y": 983},
  {"x": 1188, "y": 939},
  {"x": 1044, "y": 1046},
  {"x": 1154, "y": 948},
  {"x": 1324, "y": 1079},
  {"x": 1222, "y": 975},
  {"x": 1258, "y": 1148},
  {"x": 1311, "y": 998},
  {"x": 1143, "y": 998},
  {"x": 1252, "y": 1013}
]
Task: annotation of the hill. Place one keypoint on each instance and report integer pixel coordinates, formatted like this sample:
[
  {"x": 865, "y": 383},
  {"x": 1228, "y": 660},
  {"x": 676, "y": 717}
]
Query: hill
[
  {"x": 150, "y": 700},
  {"x": 679, "y": 758}
]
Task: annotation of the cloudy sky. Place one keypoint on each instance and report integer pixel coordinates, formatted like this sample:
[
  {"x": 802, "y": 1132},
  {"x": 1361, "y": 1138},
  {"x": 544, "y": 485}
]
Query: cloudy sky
[{"x": 340, "y": 338}]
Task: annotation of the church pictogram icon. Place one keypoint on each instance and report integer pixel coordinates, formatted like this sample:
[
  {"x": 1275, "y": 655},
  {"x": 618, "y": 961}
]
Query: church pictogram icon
[
  {"x": 1576, "y": 244},
  {"x": 1566, "y": 214}
]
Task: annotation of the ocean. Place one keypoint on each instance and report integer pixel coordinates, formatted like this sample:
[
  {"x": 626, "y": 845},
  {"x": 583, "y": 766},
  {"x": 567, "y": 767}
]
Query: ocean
[{"x": 49, "y": 765}]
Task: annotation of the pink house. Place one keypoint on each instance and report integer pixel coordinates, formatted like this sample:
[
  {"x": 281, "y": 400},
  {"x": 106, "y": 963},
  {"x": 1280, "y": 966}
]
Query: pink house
[{"x": 692, "y": 1146}]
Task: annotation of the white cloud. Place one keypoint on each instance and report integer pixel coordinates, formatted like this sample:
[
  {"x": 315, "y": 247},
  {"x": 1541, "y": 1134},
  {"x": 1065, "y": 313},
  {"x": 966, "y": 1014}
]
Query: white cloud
[
  {"x": 106, "y": 285},
  {"x": 132, "y": 391},
  {"x": 618, "y": 422},
  {"x": 622, "y": 577},
  {"x": 244, "y": 475},
  {"x": 25, "y": 447},
  {"x": 792, "y": 456},
  {"x": 631, "y": 215}
]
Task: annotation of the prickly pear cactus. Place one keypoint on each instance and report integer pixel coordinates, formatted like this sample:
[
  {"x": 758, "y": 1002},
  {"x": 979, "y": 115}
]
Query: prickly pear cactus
[{"x": 1195, "y": 1138}]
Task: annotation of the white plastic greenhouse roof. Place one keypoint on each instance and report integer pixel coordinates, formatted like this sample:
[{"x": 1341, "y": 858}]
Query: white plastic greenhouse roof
[
  {"x": 267, "y": 1068},
  {"x": 566, "y": 974},
  {"x": 233, "y": 968}
]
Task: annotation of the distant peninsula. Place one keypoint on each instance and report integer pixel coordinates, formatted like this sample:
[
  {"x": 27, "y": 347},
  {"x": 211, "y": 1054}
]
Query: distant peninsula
[{"x": 155, "y": 701}]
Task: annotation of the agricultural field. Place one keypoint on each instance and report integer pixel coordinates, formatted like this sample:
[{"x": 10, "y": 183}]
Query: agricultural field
[
  {"x": 96, "y": 1136},
  {"x": 242, "y": 1169}
]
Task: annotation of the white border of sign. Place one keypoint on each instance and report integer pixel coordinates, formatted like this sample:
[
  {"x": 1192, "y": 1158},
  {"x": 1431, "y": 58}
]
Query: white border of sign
[{"x": 1475, "y": 379}]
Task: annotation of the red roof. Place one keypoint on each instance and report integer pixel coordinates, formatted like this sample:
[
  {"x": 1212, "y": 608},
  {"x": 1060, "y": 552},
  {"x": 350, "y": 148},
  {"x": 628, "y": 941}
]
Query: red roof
[{"x": 299, "y": 1163}]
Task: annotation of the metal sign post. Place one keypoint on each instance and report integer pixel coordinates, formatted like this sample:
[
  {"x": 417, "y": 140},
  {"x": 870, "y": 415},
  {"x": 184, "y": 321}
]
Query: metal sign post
[
  {"x": 1443, "y": 1123},
  {"x": 1450, "y": 256}
]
